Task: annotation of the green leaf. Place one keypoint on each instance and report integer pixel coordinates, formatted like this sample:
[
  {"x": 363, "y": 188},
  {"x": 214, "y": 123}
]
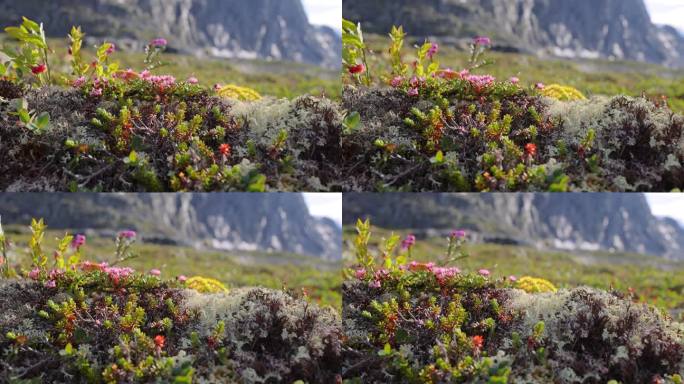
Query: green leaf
[
  {"x": 351, "y": 122},
  {"x": 24, "y": 116},
  {"x": 257, "y": 184},
  {"x": 42, "y": 121},
  {"x": 438, "y": 159},
  {"x": 3, "y": 69}
]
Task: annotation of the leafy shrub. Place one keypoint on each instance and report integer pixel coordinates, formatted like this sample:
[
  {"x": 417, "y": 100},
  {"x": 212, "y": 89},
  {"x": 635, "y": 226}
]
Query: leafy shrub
[{"x": 411, "y": 322}]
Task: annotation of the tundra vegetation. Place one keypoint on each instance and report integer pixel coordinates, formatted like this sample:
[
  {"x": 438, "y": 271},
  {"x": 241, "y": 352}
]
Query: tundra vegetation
[
  {"x": 409, "y": 321},
  {"x": 66, "y": 319},
  {"x": 415, "y": 125},
  {"x": 100, "y": 126}
]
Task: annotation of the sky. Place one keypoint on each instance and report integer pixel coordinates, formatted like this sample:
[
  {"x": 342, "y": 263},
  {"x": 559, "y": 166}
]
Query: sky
[
  {"x": 667, "y": 205},
  {"x": 325, "y": 12},
  {"x": 667, "y": 12},
  {"x": 325, "y": 205}
]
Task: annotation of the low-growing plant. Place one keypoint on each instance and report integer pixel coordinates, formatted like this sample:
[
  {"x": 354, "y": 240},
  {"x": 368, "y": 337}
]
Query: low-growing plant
[
  {"x": 436, "y": 129},
  {"x": 416, "y": 322}
]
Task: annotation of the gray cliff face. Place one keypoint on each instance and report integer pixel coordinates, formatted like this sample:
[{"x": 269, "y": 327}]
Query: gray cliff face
[
  {"x": 610, "y": 221},
  {"x": 613, "y": 29},
  {"x": 235, "y": 221},
  {"x": 268, "y": 29}
]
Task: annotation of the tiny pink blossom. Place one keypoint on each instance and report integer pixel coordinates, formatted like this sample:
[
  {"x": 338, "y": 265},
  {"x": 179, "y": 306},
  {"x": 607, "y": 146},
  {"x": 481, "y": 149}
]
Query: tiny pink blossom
[
  {"x": 192, "y": 80},
  {"x": 96, "y": 92},
  {"x": 484, "y": 272},
  {"x": 413, "y": 92},
  {"x": 434, "y": 48},
  {"x": 408, "y": 242},
  {"x": 78, "y": 83},
  {"x": 127, "y": 234},
  {"x": 397, "y": 81},
  {"x": 375, "y": 284},
  {"x": 512, "y": 278},
  {"x": 78, "y": 241},
  {"x": 482, "y": 40},
  {"x": 34, "y": 274},
  {"x": 160, "y": 42},
  {"x": 360, "y": 273},
  {"x": 155, "y": 272},
  {"x": 217, "y": 87},
  {"x": 98, "y": 322},
  {"x": 50, "y": 284},
  {"x": 182, "y": 279},
  {"x": 514, "y": 80},
  {"x": 539, "y": 86},
  {"x": 458, "y": 234},
  {"x": 111, "y": 49}
]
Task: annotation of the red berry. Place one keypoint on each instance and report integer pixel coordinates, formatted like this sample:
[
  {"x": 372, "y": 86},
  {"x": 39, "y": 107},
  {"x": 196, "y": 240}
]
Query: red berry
[
  {"x": 224, "y": 149},
  {"x": 38, "y": 69},
  {"x": 357, "y": 69},
  {"x": 531, "y": 149}
]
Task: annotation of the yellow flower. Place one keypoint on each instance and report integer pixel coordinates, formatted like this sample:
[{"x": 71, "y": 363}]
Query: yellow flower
[
  {"x": 562, "y": 93},
  {"x": 205, "y": 285},
  {"x": 232, "y": 91},
  {"x": 535, "y": 285}
]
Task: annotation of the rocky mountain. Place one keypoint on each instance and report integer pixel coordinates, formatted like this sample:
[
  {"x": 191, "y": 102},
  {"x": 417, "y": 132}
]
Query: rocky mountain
[
  {"x": 235, "y": 221},
  {"x": 613, "y": 29},
  {"x": 267, "y": 29},
  {"x": 597, "y": 221}
]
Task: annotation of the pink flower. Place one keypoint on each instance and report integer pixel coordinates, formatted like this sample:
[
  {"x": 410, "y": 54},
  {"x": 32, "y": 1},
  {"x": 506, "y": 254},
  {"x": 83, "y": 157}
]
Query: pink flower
[
  {"x": 127, "y": 234},
  {"x": 360, "y": 273},
  {"x": 413, "y": 92},
  {"x": 484, "y": 272},
  {"x": 539, "y": 86},
  {"x": 155, "y": 272},
  {"x": 480, "y": 82},
  {"x": 434, "y": 48},
  {"x": 78, "y": 83},
  {"x": 78, "y": 241},
  {"x": 397, "y": 81},
  {"x": 145, "y": 74},
  {"x": 458, "y": 234},
  {"x": 182, "y": 279},
  {"x": 34, "y": 274},
  {"x": 160, "y": 42},
  {"x": 512, "y": 278},
  {"x": 111, "y": 49},
  {"x": 96, "y": 92},
  {"x": 50, "y": 284},
  {"x": 514, "y": 80},
  {"x": 118, "y": 273},
  {"x": 464, "y": 73},
  {"x": 375, "y": 284},
  {"x": 192, "y": 80},
  {"x": 408, "y": 242},
  {"x": 217, "y": 87},
  {"x": 482, "y": 40}
]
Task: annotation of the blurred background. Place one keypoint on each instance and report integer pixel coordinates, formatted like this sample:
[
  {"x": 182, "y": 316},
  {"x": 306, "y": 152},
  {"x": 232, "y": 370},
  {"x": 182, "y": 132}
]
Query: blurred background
[
  {"x": 608, "y": 240},
  {"x": 275, "y": 240},
  {"x": 596, "y": 46},
  {"x": 283, "y": 48}
]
